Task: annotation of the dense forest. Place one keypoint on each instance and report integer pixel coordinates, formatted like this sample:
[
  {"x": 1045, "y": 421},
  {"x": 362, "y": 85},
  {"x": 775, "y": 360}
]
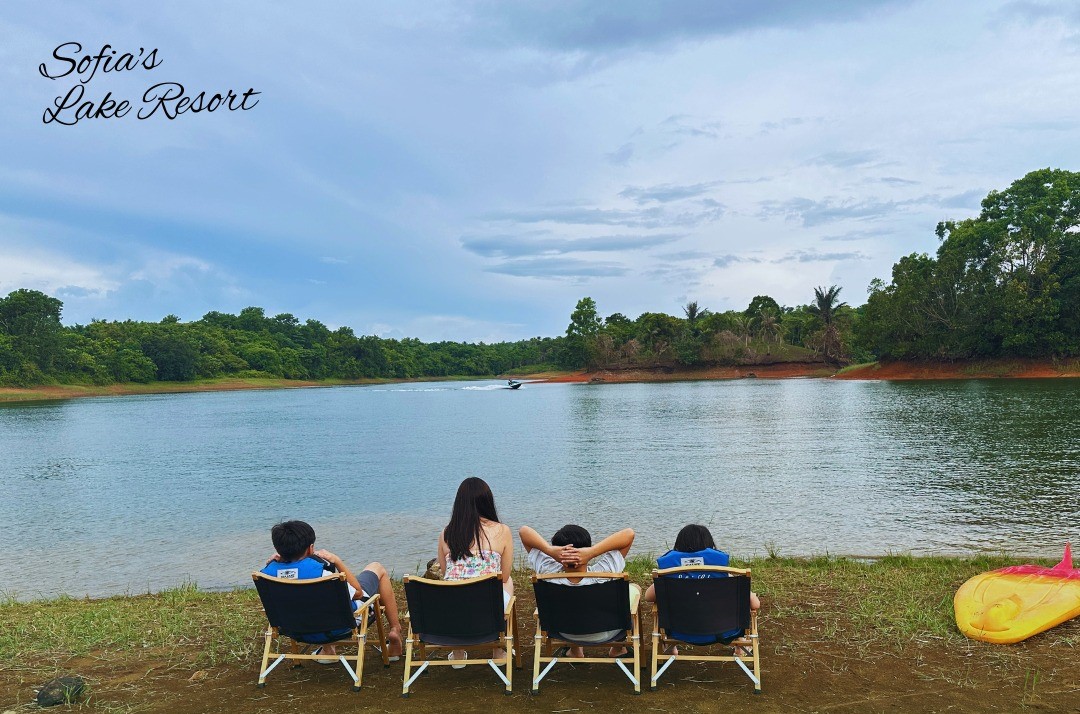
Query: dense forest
[
  {"x": 35, "y": 348},
  {"x": 1003, "y": 284}
]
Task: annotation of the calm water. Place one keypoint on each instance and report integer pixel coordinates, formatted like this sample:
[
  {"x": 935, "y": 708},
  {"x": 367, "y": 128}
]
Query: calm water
[{"x": 126, "y": 494}]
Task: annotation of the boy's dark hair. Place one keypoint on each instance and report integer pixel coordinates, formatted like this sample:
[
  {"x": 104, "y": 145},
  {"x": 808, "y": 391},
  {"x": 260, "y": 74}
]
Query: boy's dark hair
[
  {"x": 291, "y": 539},
  {"x": 572, "y": 535},
  {"x": 694, "y": 538}
]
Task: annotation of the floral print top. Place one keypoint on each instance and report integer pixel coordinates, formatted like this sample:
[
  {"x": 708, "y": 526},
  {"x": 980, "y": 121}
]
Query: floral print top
[{"x": 486, "y": 562}]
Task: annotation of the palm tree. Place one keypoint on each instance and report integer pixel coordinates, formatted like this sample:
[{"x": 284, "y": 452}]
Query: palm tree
[
  {"x": 768, "y": 324},
  {"x": 825, "y": 303},
  {"x": 742, "y": 324}
]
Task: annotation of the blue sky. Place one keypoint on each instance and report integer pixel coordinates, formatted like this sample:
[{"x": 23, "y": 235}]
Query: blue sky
[{"x": 469, "y": 170}]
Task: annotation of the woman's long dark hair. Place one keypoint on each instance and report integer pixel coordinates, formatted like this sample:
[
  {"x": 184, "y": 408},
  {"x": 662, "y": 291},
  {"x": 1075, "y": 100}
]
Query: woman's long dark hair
[
  {"x": 694, "y": 538},
  {"x": 473, "y": 502}
]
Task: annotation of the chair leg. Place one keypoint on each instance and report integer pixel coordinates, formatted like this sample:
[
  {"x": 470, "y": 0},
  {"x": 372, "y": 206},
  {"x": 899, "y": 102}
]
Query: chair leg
[
  {"x": 655, "y": 654},
  {"x": 383, "y": 645},
  {"x": 538, "y": 646},
  {"x": 408, "y": 662},
  {"x": 266, "y": 656},
  {"x": 517, "y": 638},
  {"x": 637, "y": 654},
  {"x": 509, "y": 643},
  {"x": 361, "y": 641},
  {"x": 757, "y": 661}
]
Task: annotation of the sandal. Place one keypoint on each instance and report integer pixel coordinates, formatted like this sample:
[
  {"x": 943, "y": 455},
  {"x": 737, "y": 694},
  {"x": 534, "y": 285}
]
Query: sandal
[
  {"x": 452, "y": 657},
  {"x": 318, "y": 650}
]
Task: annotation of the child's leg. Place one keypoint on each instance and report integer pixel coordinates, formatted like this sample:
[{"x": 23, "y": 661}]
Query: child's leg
[{"x": 386, "y": 597}]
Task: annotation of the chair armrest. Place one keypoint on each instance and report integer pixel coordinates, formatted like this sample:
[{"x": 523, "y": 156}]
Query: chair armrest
[
  {"x": 365, "y": 604},
  {"x": 510, "y": 605}
]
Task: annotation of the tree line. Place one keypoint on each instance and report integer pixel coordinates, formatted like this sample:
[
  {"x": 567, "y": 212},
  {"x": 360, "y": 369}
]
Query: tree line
[
  {"x": 35, "y": 348},
  {"x": 1003, "y": 284}
]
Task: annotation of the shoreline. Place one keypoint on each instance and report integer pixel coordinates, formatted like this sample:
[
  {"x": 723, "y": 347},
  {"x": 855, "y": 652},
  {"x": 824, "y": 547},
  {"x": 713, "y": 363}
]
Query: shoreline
[{"x": 888, "y": 371}]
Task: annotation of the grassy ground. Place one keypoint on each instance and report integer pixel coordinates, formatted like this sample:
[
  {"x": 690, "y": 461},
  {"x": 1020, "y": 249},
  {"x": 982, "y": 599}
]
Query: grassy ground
[{"x": 873, "y": 630}]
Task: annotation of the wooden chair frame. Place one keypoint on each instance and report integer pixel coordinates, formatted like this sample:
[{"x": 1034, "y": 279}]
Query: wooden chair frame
[
  {"x": 749, "y": 640},
  {"x": 357, "y": 637},
  {"x": 544, "y": 640},
  {"x": 510, "y": 633}
]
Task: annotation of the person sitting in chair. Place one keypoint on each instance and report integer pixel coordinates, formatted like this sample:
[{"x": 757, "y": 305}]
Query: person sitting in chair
[
  {"x": 296, "y": 558},
  {"x": 695, "y": 546},
  {"x": 571, "y": 551}
]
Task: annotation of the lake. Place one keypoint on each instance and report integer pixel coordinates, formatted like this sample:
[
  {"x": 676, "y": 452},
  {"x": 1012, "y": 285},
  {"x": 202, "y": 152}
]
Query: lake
[{"x": 129, "y": 494}]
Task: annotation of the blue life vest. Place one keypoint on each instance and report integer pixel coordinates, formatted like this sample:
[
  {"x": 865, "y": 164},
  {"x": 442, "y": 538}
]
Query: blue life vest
[
  {"x": 306, "y": 569},
  {"x": 679, "y": 559}
]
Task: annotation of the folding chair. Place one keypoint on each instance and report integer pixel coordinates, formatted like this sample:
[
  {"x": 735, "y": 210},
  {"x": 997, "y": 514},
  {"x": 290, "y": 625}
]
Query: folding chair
[
  {"x": 317, "y": 612},
  {"x": 459, "y": 615},
  {"x": 600, "y": 607},
  {"x": 698, "y": 602}
]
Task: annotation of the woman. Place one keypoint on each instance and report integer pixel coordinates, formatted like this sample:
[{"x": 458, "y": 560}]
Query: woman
[
  {"x": 695, "y": 546},
  {"x": 475, "y": 543}
]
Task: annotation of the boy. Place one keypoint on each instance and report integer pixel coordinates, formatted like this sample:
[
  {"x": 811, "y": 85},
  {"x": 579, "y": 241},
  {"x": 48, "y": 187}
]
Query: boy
[
  {"x": 571, "y": 551},
  {"x": 296, "y": 558}
]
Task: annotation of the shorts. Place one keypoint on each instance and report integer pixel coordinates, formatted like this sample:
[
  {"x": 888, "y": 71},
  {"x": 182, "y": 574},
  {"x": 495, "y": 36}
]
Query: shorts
[{"x": 369, "y": 583}]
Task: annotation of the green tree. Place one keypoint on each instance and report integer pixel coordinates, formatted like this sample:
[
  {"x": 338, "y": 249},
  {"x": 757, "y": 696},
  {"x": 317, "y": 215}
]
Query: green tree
[
  {"x": 32, "y": 320},
  {"x": 584, "y": 326}
]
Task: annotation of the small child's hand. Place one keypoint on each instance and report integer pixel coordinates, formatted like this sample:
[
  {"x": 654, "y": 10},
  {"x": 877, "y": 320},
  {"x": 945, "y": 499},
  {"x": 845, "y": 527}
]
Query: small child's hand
[
  {"x": 329, "y": 557},
  {"x": 272, "y": 558}
]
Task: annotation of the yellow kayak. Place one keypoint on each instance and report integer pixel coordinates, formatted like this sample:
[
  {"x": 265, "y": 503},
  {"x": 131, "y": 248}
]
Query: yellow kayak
[{"x": 1014, "y": 603}]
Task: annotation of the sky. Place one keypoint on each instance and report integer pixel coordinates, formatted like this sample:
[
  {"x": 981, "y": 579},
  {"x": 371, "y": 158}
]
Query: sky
[{"x": 468, "y": 170}]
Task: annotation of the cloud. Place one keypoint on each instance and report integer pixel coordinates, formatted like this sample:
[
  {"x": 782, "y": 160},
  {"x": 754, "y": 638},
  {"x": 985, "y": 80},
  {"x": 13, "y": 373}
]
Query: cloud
[
  {"x": 768, "y": 127},
  {"x": 725, "y": 261},
  {"x": 622, "y": 155},
  {"x": 679, "y": 124},
  {"x": 845, "y": 159},
  {"x": 53, "y": 274},
  {"x": 651, "y": 217},
  {"x": 812, "y": 256},
  {"x": 685, "y": 255},
  {"x": 664, "y": 192},
  {"x": 330, "y": 260},
  {"x": 854, "y": 235},
  {"x": 968, "y": 199},
  {"x": 1032, "y": 12},
  {"x": 557, "y": 268},
  {"x": 896, "y": 181},
  {"x": 583, "y": 26},
  {"x": 513, "y": 246},
  {"x": 813, "y": 213}
]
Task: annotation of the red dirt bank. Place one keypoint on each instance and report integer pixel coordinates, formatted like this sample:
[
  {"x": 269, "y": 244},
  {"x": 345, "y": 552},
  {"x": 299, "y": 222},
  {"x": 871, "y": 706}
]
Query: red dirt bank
[{"x": 982, "y": 369}]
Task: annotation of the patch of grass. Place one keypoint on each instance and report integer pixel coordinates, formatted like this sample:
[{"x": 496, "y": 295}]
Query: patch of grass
[
  {"x": 858, "y": 367},
  {"x": 224, "y": 626},
  {"x": 991, "y": 368}
]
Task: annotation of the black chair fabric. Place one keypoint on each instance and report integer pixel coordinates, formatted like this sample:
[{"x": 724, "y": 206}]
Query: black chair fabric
[
  {"x": 457, "y": 614},
  {"x": 307, "y": 607},
  {"x": 703, "y": 606},
  {"x": 579, "y": 609}
]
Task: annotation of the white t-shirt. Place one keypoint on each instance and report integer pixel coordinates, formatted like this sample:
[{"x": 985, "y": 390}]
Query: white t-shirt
[{"x": 610, "y": 562}]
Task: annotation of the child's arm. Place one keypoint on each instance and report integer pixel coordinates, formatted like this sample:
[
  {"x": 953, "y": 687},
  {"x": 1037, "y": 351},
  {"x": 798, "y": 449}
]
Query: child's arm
[
  {"x": 338, "y": 563},
  {"x": 620, "y": 541}
]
